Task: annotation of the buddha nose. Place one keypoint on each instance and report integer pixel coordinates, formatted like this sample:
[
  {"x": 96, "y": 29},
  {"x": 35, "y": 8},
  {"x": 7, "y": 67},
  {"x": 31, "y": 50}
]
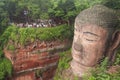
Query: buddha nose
[{"x": 78, "y": 46}]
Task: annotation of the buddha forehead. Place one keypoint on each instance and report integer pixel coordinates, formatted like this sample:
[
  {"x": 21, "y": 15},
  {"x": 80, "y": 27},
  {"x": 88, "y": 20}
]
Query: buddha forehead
[{"x": 99, "y": 15}]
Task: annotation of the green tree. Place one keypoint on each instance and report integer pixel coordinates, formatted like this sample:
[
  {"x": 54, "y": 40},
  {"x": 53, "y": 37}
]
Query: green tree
[
  {"x": 63, "y": 10},
  {"x": 5, "y": 67},
  {"x": 3, "y": 17},
  {"x": 114, "y": 4}
]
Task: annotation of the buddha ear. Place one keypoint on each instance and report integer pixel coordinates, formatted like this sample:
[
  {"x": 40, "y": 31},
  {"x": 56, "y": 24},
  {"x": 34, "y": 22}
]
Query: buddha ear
[
  {"x": 115, "y": 43},
  {"x": 115, "y": 40}
]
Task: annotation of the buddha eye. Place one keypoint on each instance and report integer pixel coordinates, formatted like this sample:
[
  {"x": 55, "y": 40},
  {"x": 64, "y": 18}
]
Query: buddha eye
[
  {"x": 90, "y": 40},
  {"x": 90, "y": 37}
]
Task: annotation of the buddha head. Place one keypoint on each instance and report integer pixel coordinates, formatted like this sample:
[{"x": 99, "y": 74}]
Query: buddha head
[{"x": 96, "y": 36}]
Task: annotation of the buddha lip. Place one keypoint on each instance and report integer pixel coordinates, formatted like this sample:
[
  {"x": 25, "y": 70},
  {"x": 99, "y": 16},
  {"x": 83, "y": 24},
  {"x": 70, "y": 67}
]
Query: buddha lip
[
  {"x": 78, "y": 58},
  {"x": 77, "y": 54}
]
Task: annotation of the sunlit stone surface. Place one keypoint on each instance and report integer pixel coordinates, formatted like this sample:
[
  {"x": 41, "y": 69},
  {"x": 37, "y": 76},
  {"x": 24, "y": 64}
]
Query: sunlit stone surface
[{"x": 95, "y": 37}]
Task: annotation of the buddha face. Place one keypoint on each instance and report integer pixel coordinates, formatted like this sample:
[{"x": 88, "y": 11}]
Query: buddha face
[{"x": 89, "y": 44}]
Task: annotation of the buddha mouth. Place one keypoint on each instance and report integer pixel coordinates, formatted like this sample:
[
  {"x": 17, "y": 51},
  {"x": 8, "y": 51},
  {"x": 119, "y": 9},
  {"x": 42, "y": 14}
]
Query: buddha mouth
[
  {"x": 78, "y": 58},
  {"x": 77, "y": 54},
  {"x": 81, "y": 59}
]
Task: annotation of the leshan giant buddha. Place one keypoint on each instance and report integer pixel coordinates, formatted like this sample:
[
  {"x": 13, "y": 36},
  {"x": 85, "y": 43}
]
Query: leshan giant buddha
[{"x": 96, "y": 36}]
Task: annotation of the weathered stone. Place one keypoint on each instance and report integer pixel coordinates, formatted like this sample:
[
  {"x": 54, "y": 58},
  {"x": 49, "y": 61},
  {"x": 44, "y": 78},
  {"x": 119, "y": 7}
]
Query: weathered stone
[
  {"x": 42, "y": 56},
  {"x": 96, "y": 36}
]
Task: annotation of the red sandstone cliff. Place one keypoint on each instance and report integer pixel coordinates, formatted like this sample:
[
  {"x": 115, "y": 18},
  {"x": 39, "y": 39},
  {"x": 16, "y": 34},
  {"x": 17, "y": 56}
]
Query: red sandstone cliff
[{"x": 36, "y": 61}]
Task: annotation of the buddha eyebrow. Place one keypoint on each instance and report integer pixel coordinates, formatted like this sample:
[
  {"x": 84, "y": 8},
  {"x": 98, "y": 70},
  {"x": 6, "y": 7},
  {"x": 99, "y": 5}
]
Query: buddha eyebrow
[{"x": 91, "y": 33}]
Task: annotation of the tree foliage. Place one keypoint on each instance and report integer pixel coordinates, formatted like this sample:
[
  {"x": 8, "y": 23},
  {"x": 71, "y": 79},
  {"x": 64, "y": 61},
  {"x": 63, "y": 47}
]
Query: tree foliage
[
  {"x": 14, "y": 10},
  {"x": 20, "y": 36},
  {"x": 5, "y": 67}
]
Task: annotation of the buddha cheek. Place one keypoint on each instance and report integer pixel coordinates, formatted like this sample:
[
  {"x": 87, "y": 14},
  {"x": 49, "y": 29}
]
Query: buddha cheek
[
  {"x": 90, "y": 57},
  {"x": 92, "y": 54}
]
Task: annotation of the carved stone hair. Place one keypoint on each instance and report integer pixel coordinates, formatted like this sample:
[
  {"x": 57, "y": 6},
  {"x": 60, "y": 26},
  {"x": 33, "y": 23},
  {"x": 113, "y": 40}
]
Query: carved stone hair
[{"x": 98, "y": 15}]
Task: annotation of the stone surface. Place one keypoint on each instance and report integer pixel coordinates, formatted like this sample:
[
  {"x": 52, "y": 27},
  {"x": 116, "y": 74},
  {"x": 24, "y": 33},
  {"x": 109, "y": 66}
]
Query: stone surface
[
  {"x": 36, "y": 61},
  {"x": 96, "y": 36}
]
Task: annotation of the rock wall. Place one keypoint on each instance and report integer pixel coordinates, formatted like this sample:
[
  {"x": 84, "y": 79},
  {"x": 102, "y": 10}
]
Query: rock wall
[{"x": 36, "y": 61}]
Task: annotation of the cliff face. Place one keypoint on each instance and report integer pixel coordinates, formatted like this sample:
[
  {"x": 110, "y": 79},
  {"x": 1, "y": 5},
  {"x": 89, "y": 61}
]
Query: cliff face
[{"x": 36, "y": 61}]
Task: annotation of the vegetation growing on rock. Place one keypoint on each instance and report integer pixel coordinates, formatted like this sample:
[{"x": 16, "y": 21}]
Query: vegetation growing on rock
[
  {"x": 14, "y": 36},
  {"x": 100, "y": 73}
]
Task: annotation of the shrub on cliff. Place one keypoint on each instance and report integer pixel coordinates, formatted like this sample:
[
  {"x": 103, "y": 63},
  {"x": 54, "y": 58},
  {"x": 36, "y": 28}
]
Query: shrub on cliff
[
  {"x": 20, "y": 36},
  {"x": 5, "y": 67}
]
